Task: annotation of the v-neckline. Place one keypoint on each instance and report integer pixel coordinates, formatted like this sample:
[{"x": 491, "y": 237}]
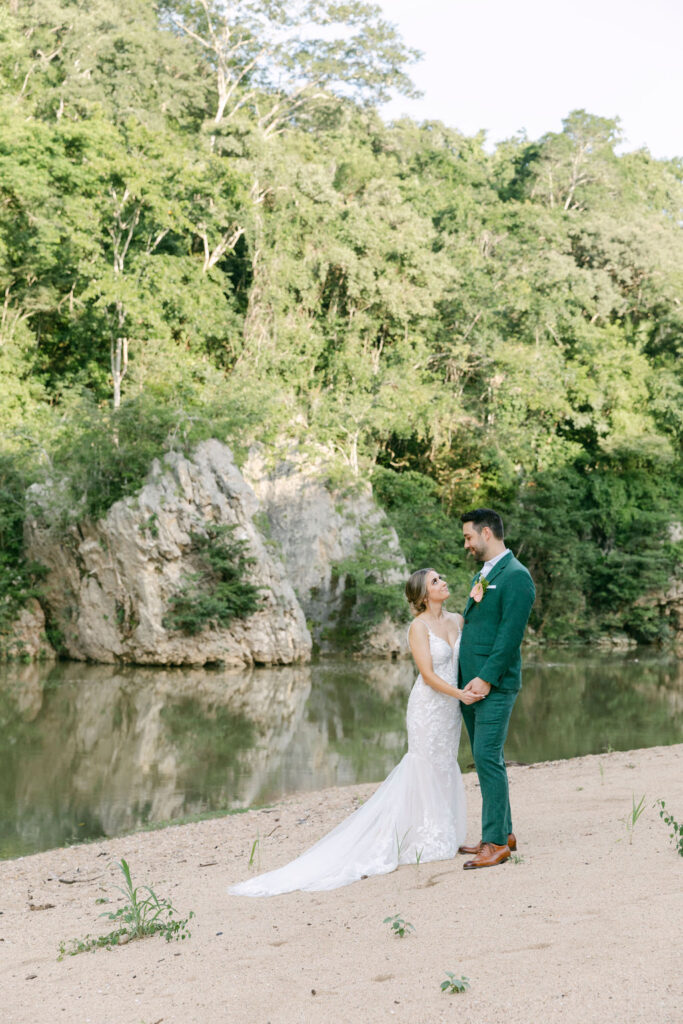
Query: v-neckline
[{"x": 442, "y": 639}]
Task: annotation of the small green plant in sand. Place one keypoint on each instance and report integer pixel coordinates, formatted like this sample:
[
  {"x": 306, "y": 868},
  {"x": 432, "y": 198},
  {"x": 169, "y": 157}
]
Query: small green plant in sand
[
  {"x": 255, "y": 854},
  {"x": 517, "y": 858},
  {"x": 631, "y": 819},
  {"x": 453, "y": 985},
  {"x": 140, "y": 916},
  {"x": 418, "y": 855},
  {"x": 400, "y": 843},
  {"x": 399, "y": 927},
  {"x": 676, "y": 828}
]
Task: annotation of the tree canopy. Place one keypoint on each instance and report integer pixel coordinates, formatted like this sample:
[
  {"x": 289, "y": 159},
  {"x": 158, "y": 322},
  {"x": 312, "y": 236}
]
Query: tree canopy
[{"x": 205, "y": 227}]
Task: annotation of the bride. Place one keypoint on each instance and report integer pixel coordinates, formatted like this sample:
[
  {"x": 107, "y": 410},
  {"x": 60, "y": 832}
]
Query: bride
[{"x": 418, "y": 813}]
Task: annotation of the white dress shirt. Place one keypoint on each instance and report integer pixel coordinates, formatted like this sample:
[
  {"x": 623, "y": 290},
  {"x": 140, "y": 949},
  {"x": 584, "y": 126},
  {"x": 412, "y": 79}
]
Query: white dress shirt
[{"x": 487, "y": 566}]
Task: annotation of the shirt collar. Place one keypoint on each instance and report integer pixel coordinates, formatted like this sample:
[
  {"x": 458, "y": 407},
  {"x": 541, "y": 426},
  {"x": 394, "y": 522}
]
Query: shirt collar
[{"x": 487, "y": 566}]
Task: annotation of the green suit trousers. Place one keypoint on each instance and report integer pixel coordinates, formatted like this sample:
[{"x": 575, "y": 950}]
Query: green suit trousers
[{"x": 487, "y": 726}]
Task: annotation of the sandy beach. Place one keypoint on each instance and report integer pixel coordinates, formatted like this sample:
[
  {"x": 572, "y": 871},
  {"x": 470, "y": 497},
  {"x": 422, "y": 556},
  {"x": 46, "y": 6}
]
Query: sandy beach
[{"x": 585, "y": 926}]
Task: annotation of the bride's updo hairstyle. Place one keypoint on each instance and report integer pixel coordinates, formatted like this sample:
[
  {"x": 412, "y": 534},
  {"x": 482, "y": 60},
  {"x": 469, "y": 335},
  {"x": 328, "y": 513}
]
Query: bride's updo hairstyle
[{"x": 416, "y": 591}]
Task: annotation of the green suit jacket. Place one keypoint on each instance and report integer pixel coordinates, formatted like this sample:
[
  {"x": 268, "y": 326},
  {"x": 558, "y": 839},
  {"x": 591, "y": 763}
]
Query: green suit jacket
[{"x": 493, "y": 628}]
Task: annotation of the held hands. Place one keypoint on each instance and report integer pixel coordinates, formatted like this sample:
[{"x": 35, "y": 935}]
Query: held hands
[
  {"x": 468, "y": 696},
  {"x": 477, "y": 688}
]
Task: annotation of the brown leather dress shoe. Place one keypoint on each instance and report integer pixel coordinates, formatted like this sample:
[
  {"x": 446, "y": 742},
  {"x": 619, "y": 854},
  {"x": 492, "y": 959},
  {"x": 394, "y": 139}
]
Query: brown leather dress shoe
[
  {"x": 470, "y": 849},
  {"x": 488, "y": 856},
  {"x": 512, "y": 845}
]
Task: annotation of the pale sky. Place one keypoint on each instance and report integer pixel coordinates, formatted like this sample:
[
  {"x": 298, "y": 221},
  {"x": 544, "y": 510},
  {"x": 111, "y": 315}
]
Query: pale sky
[{"x": 508, "y": 66}]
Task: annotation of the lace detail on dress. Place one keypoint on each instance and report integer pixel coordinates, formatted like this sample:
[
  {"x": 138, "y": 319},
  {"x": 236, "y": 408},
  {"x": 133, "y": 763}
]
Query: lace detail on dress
[
  {"x": 417, "y": 813},
  {"x": 434, "y": 722}
]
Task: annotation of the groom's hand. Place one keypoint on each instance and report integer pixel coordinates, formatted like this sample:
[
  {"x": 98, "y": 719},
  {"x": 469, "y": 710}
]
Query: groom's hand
[{"x": 478, "y": 686}]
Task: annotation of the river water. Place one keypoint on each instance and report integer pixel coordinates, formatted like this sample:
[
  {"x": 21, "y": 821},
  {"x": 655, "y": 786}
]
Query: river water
[{"x": 90, "y": 751}]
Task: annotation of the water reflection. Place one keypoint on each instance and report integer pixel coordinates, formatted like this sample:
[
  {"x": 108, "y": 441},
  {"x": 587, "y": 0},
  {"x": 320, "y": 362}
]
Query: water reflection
[
  {"x": 90, "y": 751},
  {"x": 587, "y": 702}
]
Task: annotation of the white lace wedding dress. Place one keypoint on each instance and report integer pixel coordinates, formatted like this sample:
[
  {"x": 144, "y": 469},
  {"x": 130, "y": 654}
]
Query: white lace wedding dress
[{"x": 417, "y": 814}]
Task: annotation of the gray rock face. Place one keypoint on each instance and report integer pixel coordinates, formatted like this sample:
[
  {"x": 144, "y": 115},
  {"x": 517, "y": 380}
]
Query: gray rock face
[
  {"x": 316, "y": 527},
  {"x": 110, "y": 582},
  {"x": 27, "y": 637}
]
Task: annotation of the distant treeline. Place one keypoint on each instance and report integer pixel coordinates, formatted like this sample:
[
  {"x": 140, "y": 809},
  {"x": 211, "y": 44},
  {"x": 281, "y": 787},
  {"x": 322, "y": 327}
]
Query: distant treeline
[{"x": 207, "y": 229}]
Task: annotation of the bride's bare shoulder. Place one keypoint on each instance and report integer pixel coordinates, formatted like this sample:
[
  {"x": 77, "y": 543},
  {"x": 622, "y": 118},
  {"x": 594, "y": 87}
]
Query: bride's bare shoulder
[{"x": 418, "y": 626}]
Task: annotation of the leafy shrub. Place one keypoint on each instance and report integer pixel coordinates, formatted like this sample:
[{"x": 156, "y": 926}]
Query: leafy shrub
[
  {"x": 676, "y": 827},
  {"x": 367, "y": 596},
  {"x": 220, "y": 590},
  {"x": 430, "y": 535},
  {"x": 19, "y": 578},
  {"x": 399, "y": 927},
  {"x": 102, "y": 455}
]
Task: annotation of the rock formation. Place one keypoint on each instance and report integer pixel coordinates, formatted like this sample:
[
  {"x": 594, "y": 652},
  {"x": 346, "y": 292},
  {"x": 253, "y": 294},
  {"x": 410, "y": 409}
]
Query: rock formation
[
  {"x": 26, "y": 638},
  {"x": 110, "y": 582},
  {"x": 315, "y": 527}
]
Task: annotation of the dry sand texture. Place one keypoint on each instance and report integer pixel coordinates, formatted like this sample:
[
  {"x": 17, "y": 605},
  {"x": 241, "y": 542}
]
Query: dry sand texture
[{"x": 586, "y": 928}]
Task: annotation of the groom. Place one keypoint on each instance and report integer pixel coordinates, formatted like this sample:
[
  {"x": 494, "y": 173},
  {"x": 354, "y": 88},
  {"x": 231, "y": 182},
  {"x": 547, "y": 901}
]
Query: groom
[{"x": 490, "y": 665}]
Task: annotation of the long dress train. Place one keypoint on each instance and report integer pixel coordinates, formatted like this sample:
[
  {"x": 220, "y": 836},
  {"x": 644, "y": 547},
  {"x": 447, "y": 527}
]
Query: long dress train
[{"x": 417, "y": 814}]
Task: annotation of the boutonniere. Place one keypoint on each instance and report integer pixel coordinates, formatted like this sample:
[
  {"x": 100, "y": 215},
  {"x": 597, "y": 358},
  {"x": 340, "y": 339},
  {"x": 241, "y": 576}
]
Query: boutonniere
[{"x": 479, "y": 589}]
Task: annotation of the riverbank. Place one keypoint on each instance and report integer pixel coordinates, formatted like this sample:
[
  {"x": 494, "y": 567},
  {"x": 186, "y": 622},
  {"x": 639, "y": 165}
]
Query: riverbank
[{"x": 584, "y": 927}]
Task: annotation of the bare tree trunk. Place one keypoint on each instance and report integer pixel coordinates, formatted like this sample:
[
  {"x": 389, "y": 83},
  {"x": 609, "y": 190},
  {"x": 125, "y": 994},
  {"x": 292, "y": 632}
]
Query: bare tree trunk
[
  {"x": 118, "y": 358},
  {"x": 10, "y": 317},
  {"x": 118, "y": 354},
  {"x": 228, "y": 241},
  {"x": 219, "y": 42},
  {"x": 122, "y": 236},
  {"x": 353, "y": 454},
  {"x": 258, "y": 323}
]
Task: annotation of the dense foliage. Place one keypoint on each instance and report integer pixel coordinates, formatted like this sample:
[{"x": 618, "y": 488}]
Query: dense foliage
[
  {"x": 220, "y": 590},
  {"x": 206, "y": 228}
]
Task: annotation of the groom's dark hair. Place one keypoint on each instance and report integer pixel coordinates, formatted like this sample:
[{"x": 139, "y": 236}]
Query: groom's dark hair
[{"x": 482, "y": 517}]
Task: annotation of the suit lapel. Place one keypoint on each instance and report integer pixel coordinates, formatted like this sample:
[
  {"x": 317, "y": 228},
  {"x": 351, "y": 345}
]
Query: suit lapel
[
  {"x": 470, "y": 602},
  {"x": 499, "y": 566}
]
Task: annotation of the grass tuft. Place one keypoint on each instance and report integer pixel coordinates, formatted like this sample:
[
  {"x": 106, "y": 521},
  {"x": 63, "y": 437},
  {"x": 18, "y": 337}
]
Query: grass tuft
[{"x": 140, "y": 916}]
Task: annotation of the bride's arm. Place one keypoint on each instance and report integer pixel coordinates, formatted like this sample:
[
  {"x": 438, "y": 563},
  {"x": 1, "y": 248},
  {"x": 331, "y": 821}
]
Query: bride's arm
[{"x": 418, "y": 637}]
